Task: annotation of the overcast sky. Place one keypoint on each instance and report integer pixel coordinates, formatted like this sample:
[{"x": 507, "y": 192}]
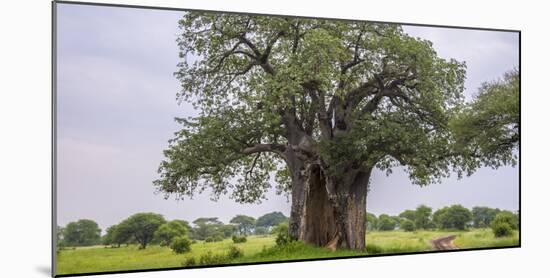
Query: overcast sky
[{"x": 116, "y": 105}]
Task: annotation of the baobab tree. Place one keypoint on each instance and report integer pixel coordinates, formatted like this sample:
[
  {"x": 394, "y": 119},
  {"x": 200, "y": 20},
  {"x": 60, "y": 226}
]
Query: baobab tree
[{"x": 318, "y": 104}]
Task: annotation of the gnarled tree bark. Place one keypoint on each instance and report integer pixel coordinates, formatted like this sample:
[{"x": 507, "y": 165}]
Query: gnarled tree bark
[{"x": 329, "y": 211}]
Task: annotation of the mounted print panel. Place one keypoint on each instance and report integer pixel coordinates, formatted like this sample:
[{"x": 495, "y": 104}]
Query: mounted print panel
[{"x": 190, "y": 139}]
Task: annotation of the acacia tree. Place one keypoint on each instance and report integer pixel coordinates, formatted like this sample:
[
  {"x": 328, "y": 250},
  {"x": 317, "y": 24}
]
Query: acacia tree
[
  {"x": 141, "y": 227},
  {"x": 168, "y": 231},
  {"x": 245, "y": 223},
  {"x": 271, "y": 219},
  {"x": 318, "y": 104},
  {"x": 207, "y": 227},
  {"x": 83, "y": 232}
]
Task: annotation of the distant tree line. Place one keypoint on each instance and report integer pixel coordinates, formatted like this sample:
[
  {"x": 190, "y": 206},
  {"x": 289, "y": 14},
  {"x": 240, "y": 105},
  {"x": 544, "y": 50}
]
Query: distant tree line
[
  {"x": 455, "y": 217},
  {"x": 144, "y": 229},
  {"x": 151, "y": 228}
]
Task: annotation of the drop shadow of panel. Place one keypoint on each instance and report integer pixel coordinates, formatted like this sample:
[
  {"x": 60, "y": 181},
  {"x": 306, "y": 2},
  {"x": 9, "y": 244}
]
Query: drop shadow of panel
[{"x": 45, "y": 270}]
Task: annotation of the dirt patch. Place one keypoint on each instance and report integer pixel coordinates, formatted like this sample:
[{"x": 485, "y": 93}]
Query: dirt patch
[{"x": 444, "y": 243}]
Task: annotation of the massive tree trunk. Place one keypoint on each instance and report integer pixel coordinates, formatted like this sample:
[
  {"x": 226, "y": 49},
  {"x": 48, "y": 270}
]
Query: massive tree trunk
[{"x": 329, "y": 211}]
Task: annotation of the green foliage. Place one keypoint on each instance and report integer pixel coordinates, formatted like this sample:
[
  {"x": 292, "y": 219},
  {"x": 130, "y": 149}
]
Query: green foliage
[
  {"x": 483, "y": 216},
  {"x": 110, "y": 237},
  {"x": 235, "y": 252},
  {"x": 210, "y": 227},
  {"x": 227, "y": 230},
  {"x": 386, "y": 223},
  {"x": 408, "y": 214},
  {"x": 261, "y": 230},
  {"x": 422, "y": 217},
  {"x": 189, "y": 262},
  {"x": 487, "y": 129},
  {"x": 180, "y": 244},
  {"x": 506, "y": 217},
  {"x": 371, "y": 221},
  {"x": 453, "y": 217},
  {"x": 238, "y": 239},
  {"x": 261, "y": 82},
  {"x": 59, "y": 236},
  {"x": 407, "y": 225},
  {"x": 271, "y": 219},
  {"x": 120, "y": 235},
  {"x": 501, "y": 229},
  {"x": 141, "y": 227},
  {"x": 218, "y": 259},
  {"x": 245, "y": 224},
  {"x": 374, "y": 249},
  {"x": 168, "y": 231},
  {"x": 281, "y": 231},
  {"x": 214, "y": 238},
  {"x": 213, "y": 259},
  {"x": 83, "y": 232},
  {"x": 183, "y": 223}
]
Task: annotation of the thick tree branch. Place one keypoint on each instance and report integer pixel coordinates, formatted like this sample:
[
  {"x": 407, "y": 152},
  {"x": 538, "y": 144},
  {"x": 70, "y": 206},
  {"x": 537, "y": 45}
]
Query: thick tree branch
[{"x": 258, "y": 148}]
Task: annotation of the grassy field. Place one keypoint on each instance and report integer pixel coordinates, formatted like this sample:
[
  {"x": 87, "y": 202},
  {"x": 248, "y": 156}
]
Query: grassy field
[
  {"x": 100, "y": 258},
  {"x": 262, "y": 249},
  {"x": 417, "y": 241}
]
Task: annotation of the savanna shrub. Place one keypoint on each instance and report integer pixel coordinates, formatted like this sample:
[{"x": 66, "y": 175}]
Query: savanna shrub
[
  {"x": 282, "y": 234},
  {"x": 407, "y": 225},
  {"x": 506, "y": 217},
  {"x": 501, "y": 229},
  {"x": 181, "y": 244},
  {"x": 189, "y": 262},
  {"x": 238, "y": 239},
  {"x": 214, "y": 238},
  {"x": 234, "y": 252},
  {"x": 213, "y": 259},
  {"x": 374, "y": 249}
]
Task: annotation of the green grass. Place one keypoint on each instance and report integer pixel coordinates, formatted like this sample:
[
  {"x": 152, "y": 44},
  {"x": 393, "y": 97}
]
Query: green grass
[
  {"x": 403, "y": 242},
  {"x": 483, "y": 238},
  {"x": 418, "y": 241},
  {"x": 263, "y": 249},
  {"x": 296, "y": 251},
  {"x": 100, "y": 258}
]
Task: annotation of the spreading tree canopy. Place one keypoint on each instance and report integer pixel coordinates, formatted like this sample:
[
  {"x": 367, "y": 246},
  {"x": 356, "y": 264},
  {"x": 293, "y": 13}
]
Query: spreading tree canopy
[
  {"x": 271, "y": 219},
  {"x": 245, "y": 223},
  {"x": 83, "y": 232},
  {"x": 141, "y": 227}
]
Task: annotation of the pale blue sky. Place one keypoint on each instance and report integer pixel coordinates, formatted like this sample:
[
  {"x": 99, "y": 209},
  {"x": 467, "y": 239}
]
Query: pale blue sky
[{"x": 116, "y": 104}]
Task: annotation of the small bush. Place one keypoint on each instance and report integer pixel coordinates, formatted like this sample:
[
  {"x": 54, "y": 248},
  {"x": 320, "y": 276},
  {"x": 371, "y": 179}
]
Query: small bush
[
  {"x": 213, "y": 259},
  {"x": 504, "y": 224},
  {"x": 216, "y": 259},
  {"x": 235, "y": 252},
  {"x": 238, "y": 239},
  {"x": 506, "y": 217},
  {"x": 283, "y": 237},
  {"x": 407, "y": 225},
  {"x": 189, "y": 262},
  {"x": 374, "y": 249},
  {"x": 180, "y": 245},
  {"x": 214, "y": 238},
  {"x": 501, "y": 229}
]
